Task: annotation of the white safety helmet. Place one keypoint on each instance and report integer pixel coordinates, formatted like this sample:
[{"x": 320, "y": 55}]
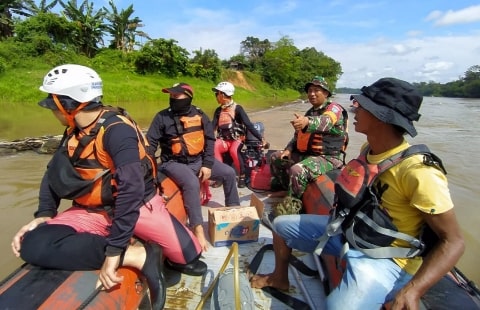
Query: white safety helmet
[
  {"x": 225, "y": 87},
  {"x": 80, "y": 83}
]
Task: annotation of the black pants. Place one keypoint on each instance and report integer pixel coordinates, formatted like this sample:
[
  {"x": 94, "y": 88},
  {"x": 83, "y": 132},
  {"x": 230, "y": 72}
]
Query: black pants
[{"x": 61, "y": 247}]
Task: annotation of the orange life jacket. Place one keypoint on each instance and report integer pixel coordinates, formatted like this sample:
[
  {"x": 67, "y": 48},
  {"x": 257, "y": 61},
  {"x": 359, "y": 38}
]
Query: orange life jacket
[
  {"x": 92, "y": 162},
  {"x": 325, "y": 143},
  {"x": 191, "y": 138}
]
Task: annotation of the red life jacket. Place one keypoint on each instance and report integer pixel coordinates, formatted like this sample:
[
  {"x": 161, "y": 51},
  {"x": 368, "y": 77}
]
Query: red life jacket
[{"x": 228, "y": 128}]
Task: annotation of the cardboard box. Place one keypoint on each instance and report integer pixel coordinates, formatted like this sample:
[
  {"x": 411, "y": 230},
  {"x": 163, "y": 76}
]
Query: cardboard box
[{"x": 235, "y": 224}]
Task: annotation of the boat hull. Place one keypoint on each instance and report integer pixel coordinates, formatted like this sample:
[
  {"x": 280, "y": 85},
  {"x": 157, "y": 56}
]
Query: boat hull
[{"x": 31, "y": 287}]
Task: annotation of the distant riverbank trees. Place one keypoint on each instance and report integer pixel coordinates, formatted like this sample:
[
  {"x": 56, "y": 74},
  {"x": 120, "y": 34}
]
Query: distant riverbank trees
[
  {"x": 467, "y": 86},
  {"x": 36, "y": 33}
]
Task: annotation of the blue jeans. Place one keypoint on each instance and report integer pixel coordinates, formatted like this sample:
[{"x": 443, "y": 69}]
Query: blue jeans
[{"x": 367, "y": 283}]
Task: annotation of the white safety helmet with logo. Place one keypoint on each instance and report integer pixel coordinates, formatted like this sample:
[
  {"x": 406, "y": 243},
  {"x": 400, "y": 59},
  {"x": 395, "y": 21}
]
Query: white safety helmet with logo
[
  {"x": 225, "y": 87},
  {"x": 79, "y": 83}
]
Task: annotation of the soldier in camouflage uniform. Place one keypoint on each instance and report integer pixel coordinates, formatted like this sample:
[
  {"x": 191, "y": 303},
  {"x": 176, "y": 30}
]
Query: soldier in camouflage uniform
[{"x": 318, "y": 145}]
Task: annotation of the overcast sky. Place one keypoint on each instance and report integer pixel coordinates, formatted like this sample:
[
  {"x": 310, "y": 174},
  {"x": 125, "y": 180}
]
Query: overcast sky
[{"x": 414, "y": 40}]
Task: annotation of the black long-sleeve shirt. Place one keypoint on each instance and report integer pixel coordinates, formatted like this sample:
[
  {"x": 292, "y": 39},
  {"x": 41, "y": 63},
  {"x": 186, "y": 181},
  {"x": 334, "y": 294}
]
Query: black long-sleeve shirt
[
  {"x": 121, "y": 143},
  {"x": 163, "y": 129}
]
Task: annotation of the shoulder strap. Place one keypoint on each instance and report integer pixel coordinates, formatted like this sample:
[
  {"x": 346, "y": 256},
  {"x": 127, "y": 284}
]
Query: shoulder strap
[
  {"x": 85, "y": 140},
  {"x": 430, "y": 159}
]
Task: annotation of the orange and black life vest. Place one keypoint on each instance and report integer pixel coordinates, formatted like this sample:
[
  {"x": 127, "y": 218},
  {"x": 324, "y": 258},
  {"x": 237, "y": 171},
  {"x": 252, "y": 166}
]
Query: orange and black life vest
[
  {"x": 333, "y": 142},
  {"x": 82, "y": 170},
  {"x": 190, "y": 139}
]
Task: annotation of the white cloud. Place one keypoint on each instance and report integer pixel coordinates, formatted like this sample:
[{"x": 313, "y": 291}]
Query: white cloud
[
  {"x": 439, "y": 59},
  {"x": 467, "y": 15},
  {"x": 402, "y": 49}
]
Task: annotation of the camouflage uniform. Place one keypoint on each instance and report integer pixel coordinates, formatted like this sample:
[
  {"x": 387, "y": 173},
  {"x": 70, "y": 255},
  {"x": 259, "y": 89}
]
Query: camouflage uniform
[
  {"x": 303, "y": 167},
  {"x": 316, "y": 148}
]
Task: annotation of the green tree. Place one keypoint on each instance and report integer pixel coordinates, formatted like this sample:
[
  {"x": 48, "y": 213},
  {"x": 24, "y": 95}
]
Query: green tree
[
  {"x": 7, "y": 9},
  {"x": 162, "y": 56},
  {"x": 206, "y": 64},
  {"x": 45, "y": 32},
  {"x": 317, "y": 63},
  {"x": 26, "y": 8},
  {"x": 32, "y": 9},
  {"x": 89, "y": 24},
  {"x": 122, "y": 27},
  {"x": 281, "y": 64},
  {"x": 253, "y": 49}
]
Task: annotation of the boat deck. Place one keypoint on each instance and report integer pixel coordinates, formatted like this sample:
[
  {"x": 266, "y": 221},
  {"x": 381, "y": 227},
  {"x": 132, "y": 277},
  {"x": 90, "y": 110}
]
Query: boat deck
[{"x": 185, "y": 292}]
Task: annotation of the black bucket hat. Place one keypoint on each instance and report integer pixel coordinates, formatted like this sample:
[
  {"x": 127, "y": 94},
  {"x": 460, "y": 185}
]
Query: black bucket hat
[{"x": 392, "y": 101}]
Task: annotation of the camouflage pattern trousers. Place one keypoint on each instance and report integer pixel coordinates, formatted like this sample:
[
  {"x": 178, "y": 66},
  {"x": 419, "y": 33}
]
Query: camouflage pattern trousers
[{"x": 295, "y": 173}]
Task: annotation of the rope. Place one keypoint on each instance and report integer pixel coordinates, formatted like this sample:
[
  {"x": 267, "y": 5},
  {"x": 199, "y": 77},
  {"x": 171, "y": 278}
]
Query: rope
[{"x": 236, "y": 278}]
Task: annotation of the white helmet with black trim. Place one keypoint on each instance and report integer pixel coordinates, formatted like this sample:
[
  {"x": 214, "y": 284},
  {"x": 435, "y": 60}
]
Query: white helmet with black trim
[{"x": 80, "y": 83}]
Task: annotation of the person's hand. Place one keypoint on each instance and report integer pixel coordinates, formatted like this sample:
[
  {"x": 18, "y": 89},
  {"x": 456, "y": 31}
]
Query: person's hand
[
  {"x": 299, "y": 122},
  {"x": 17, "y": 239},
  {"x": 199, "y": 233},
  {"x": 265, "y": 144},
  {"x": 406, "y": 298},
  {"x": 108, "y": 276},
  {"x": 285, "y": 154},
  {"x": 204, "y": 174}
]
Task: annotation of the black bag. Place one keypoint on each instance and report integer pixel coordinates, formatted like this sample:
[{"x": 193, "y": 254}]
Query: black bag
[{"x": 64, "y": 180}]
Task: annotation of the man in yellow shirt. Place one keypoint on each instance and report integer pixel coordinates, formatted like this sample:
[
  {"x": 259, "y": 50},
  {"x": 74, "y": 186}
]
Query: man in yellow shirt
[{"x": 413, "y": 194}]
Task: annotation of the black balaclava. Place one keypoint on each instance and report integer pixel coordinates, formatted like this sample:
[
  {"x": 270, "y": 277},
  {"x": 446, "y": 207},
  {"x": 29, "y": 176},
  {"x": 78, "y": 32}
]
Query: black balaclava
[{"x": 180, "y": 106}]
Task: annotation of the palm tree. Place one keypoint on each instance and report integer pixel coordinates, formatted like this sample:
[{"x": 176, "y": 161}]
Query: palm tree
[
  {"x": 122, "y": 27},
  {"x": 7, "y": 9},
  {"x": 32, "y": 9},
  {"x": 90, "y": 25}
]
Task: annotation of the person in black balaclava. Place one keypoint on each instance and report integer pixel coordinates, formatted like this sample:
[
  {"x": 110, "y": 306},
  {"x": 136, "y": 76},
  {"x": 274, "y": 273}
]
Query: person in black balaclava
[
  {"x": 181, "y": 106},
  {"x": 186, "y": 140}
]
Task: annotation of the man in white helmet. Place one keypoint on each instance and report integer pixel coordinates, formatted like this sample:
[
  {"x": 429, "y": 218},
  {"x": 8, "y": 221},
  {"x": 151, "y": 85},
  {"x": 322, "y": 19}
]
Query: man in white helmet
[
  {"x": 231, "y": 123},
  {"x": 102, "y": 166}
]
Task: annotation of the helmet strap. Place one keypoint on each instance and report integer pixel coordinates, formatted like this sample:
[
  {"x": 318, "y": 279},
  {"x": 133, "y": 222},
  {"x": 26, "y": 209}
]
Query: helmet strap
[{"x": 69, "y": 116}]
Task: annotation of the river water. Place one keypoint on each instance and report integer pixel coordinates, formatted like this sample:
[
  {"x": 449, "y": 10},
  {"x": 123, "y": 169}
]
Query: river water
[{"x": 448, "y": 126}]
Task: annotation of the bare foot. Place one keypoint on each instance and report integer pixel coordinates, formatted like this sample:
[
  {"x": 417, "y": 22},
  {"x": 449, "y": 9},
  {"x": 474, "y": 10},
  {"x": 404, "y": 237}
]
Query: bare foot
[{"x": 263, "y": 280}]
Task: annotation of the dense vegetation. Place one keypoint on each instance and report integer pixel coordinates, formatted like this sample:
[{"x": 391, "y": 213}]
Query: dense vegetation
[
  {"x": 38, "y": 35},
  {"x": 33, "y": 39},
  {"x": 31, "y": 30}
]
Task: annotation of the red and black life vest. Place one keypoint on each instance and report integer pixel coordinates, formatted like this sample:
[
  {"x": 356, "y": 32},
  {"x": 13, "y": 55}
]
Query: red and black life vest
[
  {"x": 357, "y": 211},
  {"x": 228, "y": 128}
]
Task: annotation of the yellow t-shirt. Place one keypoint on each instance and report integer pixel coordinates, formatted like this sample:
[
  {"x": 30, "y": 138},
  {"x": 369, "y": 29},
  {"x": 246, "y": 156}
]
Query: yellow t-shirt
[{"x": 413, "y": 187}]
